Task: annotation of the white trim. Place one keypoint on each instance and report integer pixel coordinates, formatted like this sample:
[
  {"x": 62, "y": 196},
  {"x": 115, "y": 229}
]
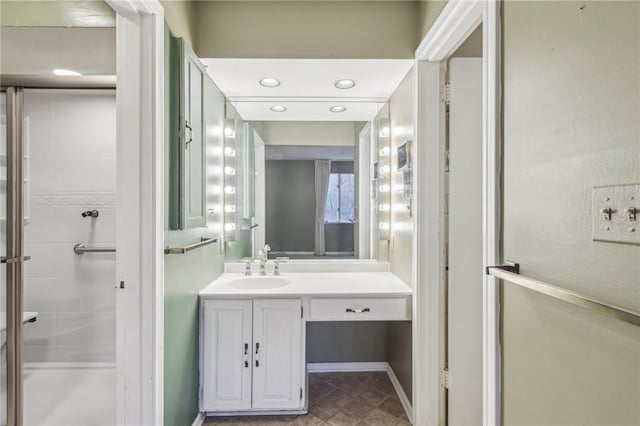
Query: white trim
[
  {"x": 455, "y": 23},
  {"x": 199, "y": 420},
  {"x": 341, "y": 367},
  {"x": 492, "y": 118},
  {"x": 404, "y": 399},
  {"x": 364, "y": 191},
  {"x": 140, "y": 211}
]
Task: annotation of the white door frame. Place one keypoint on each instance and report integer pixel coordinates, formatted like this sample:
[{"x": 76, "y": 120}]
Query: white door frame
[
  {"x": 140, "y": 211},
  {"x": 260, "y": 232},
  {"x": 364, "y": 191},
  {"x": 454, "y": 24}
]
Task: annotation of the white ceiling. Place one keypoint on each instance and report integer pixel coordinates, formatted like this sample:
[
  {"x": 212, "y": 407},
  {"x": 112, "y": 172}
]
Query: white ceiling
[
  {"x": 307, "y": 86},
  {"x": 30, "y": 54}
]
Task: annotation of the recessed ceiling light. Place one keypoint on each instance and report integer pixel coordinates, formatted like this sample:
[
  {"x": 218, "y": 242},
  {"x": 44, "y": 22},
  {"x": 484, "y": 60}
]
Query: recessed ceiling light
[
  {"x": 278, "y": 108},
  {"x": 269, "y": 82},
  {"x": 66, "y": 72},
  {"x": 344, "y": 84},
  {"x": 337, "y": 108}
]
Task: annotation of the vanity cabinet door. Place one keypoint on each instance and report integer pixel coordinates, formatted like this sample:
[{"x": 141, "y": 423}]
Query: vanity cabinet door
[
  {"x": 226, "y": 355},
  {"x": 277, "y": 368}
]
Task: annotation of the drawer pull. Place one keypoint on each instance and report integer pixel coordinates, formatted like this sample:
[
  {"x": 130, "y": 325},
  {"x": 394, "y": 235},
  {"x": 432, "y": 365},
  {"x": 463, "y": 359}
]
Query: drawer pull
[
  {"x": 357, "y": 311},
  {"x": 246, "y": 355}
]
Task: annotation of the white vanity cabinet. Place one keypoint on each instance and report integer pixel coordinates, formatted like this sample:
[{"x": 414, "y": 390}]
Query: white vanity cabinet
[{"x": 252, "y": 355}]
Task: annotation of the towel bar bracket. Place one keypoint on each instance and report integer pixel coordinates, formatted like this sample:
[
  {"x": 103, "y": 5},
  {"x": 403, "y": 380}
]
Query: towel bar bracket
[{"x": 508, "y": 266}]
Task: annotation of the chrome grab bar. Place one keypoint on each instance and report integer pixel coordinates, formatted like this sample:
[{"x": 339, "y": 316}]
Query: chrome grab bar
[
  {"x": 510, "y": 273},
  {"x": 82, "y": 249},
  {"x": 182, "y": 250}
]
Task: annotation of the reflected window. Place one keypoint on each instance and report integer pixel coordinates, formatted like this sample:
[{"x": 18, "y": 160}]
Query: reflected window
[{"x": 340, "y": 199}]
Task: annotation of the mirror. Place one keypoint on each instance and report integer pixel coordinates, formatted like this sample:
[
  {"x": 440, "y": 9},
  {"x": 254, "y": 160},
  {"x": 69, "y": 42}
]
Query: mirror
[{"x": 277, "y": 173}]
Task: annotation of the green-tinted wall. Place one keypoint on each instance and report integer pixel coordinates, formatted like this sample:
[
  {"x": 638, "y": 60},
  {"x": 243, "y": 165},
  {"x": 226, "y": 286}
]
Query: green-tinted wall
[{"x": 185, "y": 275}]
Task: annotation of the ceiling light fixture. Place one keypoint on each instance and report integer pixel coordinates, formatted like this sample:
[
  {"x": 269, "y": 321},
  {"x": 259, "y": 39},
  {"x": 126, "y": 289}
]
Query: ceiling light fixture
[
  {"x": 278, "y": 108},
  {"x": 344, "y": 83},
  {"x": 337, "y": 108},
  {"x": 66, "y": 73},
  {"x": 270, "y": 82}
]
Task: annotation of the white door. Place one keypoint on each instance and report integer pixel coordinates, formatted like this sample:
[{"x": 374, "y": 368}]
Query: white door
[
  {"x": 277, "y": 351},
  {"x": 226, "y": 355},
  {"x": 465, "y": 243}
]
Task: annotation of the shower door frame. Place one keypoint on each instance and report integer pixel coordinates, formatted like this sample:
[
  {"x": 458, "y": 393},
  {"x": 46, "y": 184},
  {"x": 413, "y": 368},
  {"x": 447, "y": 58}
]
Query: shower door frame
[{"x": 14, "y": 259}]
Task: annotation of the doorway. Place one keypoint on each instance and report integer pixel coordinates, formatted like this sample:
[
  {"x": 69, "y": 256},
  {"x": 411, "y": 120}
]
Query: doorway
[{"x": 442, "y": 246}]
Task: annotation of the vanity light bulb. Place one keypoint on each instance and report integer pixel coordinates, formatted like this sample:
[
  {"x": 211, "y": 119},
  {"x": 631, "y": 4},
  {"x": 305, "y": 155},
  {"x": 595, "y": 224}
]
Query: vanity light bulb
[
  {"x": 384, "y": 207},
  {"x": 385, "y": 151},
  {"x": 229, "y": 171},
  {"x": 229, "y": 152},
  {"x": 229, "y": 208},
  {"x": 384, "y": 188},
  {"x": 384, "y": 169},
  {"x": 384, "y": 226},
  {"x": 229, "y": 226},
  {"x": 229, "y": 132},
  {"x": 385, "y": 131},
  {"x": 229, "y": 190}
]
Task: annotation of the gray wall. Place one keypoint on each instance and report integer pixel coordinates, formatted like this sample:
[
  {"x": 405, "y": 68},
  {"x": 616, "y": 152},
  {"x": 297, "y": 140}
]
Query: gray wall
[
  {"x": 290, "y": 204},
  {"x": 571, "y": 109},
  {"x": 306, "y": 29},
  {"x": 350, "y": 341},
  {"x": 290, "y": 207}
]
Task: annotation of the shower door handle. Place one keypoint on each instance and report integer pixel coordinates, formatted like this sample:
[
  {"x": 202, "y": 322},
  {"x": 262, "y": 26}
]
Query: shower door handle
[
  {"x": 4, "y": 259},
  {"x": 186, "y": 126}
]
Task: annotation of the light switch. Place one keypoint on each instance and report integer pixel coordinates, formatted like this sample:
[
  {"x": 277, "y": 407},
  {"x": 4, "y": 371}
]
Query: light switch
[{"x": 616, "y": 213}]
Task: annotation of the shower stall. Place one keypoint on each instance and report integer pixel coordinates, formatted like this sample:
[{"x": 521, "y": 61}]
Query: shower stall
[{"x": 57, "y": 242}]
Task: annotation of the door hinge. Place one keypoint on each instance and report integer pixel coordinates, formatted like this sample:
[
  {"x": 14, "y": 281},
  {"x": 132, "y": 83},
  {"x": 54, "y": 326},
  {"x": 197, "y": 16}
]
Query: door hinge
[
  {"x": 444, "y": 378},
  {"x": 446, "y": 93},
  {"x": 300, "y": 393}
]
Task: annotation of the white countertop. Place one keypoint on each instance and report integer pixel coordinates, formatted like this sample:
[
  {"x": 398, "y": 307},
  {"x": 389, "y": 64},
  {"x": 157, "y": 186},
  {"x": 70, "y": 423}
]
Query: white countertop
[{"x": 319, "y": 284}]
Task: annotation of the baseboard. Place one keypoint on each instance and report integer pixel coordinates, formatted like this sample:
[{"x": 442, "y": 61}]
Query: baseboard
[
  {"x": 404, "y": 400},
  {"x": 199, "y": 420},
  {"x": 337, "y": 367}
]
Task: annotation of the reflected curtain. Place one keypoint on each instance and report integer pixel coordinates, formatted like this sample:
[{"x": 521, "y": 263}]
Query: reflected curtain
[{"x": 323, "y": 172}]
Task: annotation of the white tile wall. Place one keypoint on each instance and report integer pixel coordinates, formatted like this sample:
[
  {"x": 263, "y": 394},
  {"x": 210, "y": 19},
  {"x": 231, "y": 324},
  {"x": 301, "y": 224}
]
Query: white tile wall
[{"x": 72, "y": 163}]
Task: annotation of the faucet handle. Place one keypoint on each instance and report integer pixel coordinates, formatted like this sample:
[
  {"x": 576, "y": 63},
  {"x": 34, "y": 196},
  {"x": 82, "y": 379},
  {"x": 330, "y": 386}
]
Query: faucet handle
[
  {"x": 276, "y": 266},
  {"x": 247, "y": 268}
]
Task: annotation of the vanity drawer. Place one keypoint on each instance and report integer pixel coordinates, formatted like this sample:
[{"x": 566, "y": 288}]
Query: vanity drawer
[{"x": 360, "y": 309}]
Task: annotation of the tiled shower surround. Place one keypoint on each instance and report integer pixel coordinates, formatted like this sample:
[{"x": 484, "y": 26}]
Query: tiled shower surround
[{"x": 71, "y": 165}]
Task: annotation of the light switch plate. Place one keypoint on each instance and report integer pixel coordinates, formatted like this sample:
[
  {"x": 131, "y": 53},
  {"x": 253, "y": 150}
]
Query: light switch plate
[{"x": 610, "y": 213}]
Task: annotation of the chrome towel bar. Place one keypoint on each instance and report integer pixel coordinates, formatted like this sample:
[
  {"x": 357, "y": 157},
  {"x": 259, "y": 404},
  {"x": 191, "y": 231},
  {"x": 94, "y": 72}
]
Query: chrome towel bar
[
  {"x": 505, "y": 273},
  {"x": 182, "y": 250},
  {"x": 82, "y": 249}
]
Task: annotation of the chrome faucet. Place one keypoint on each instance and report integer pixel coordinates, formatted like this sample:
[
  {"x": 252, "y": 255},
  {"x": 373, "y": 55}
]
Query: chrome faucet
[{"x": 263, "y": 257}]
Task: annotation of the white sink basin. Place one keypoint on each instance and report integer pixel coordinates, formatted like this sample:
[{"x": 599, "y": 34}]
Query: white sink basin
[{"x": 257, "y": 283}]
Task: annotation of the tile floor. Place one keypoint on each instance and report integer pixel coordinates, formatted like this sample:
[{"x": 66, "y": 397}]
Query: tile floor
[{"x": 362, "y": 399}]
